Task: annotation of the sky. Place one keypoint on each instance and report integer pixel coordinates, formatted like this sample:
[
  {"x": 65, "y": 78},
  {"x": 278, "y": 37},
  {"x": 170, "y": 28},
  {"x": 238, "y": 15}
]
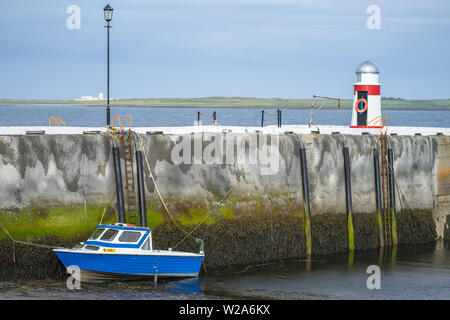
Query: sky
[{"x": 203, "y": 48}]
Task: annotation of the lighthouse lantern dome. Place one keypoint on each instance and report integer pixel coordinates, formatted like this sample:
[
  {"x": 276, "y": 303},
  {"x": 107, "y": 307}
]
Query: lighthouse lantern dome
[
  {"x": 367, "y": 72},
  {"x": 367, "y": 67}
]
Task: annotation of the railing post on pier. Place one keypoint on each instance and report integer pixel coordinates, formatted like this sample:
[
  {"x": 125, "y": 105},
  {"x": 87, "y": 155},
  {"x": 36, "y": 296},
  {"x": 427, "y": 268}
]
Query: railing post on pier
[{"x": 279, "y": 117}]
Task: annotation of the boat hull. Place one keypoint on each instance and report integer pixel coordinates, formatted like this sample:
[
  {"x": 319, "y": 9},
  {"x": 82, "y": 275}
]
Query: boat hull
[
  {"x": 115, "y": 266},
  {"x": 97, "y": 276}
]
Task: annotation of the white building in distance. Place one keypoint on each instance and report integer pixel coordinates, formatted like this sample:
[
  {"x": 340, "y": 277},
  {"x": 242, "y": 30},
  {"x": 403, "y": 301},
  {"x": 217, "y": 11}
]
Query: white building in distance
[{"x": 91, "y": 98}]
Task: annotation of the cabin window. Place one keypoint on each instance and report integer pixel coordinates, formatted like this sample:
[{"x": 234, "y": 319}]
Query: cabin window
[
  {"x": 146, "y": 245},
  {"x": 129, "y": 236},
  {"x": 89, "y": 247},
  {"x": 96, "y": 234},
  {"x": 358, "y": 77},
  {"x": 109, "y": 235}
]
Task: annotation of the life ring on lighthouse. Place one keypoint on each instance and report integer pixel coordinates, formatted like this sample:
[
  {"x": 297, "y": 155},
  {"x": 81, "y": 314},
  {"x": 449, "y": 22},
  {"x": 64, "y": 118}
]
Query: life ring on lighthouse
[{"x": 357, "y": 105}]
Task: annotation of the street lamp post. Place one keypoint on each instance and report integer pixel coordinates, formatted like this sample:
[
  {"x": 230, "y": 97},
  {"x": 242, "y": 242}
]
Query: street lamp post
[{"x": 108, "y": 11}]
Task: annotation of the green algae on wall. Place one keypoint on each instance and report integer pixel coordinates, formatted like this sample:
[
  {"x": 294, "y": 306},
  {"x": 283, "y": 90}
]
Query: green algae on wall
[
  {"x": 365, "y": 227},
  {"x": 154, "y": 218},
  {"x": 241, "y": 242},
  {"x": 229, "y": 243},
  {"x": 62, "y": 222},
  {"x": 329, "y": 233},
  {"x": 191, "y": 212},
  {"x": 33, "y": 262},
  {"x": 262, "y": 220},
  {"x": 415, "y": 226}
]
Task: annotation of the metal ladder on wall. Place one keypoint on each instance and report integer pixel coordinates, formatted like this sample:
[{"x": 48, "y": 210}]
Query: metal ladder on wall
[
  {"x": 385, "y": 191},
  {"x": 129, "y": 185}
]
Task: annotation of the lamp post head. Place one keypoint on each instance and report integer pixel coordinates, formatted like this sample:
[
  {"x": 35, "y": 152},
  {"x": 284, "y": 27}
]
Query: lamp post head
[{"x": 108, "y": 11}]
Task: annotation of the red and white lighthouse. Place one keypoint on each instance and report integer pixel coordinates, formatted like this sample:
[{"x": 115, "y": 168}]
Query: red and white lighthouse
[{"x": 367, "y": 99}]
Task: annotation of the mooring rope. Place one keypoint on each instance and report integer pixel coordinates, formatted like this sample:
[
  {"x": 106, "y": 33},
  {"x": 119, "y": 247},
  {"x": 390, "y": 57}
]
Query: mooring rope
[
  {"x": 14, "y": 241},
  {"x": 215, "y": 208},
  {"x": 141, "y": 147},
  {"x": 399, "y": 191},
  {"x": 26, "y": 243},
  {"x": 401, "y": 197},
  {"x": 104, "y": 210},
  {"x": 403, "y": 203}
]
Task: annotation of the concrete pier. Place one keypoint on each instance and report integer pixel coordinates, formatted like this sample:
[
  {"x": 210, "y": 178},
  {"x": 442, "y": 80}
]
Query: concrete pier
[{"x": 56, "y": 184}]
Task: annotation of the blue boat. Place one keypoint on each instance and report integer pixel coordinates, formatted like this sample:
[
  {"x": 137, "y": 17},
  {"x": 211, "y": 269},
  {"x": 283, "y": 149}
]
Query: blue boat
[{"x": 122, "y": 251}]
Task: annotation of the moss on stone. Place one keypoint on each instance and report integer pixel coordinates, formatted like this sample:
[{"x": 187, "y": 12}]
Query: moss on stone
[
  {"x": 231, "y": 240},
  {"x": 241, "y": 242},
  {"x": 154, "y": 218},
  {"x": 33, "y": 262},
  {"x": 415, "y": 226},
  {"x": 195, "y": 216},
  {"x": 64, "y": 222},
  {"x": 365, "y": 227},
  {"x": 189, "y": 211},
  {"x": 227, "y": 213},
  {"x": 329, "y": 233}
]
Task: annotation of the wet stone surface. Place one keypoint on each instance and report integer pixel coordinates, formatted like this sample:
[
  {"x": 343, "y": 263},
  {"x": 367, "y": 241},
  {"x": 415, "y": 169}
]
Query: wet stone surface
[
  {"x": 235, "y": 244},
  {"x": 131, "y": 290}
]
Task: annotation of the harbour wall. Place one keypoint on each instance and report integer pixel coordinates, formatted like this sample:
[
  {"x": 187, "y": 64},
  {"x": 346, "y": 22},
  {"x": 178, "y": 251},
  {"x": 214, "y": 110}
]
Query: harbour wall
[{"x": 240, "y": 192}]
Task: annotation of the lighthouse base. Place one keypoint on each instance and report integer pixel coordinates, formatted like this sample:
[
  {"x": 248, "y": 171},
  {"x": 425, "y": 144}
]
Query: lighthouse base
[{"x": 370, "y": 127}]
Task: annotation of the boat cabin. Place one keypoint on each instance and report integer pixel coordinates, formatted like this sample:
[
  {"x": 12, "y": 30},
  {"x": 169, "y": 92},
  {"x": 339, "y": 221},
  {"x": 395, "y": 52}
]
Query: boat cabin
[{"x": 108, "y": 237}]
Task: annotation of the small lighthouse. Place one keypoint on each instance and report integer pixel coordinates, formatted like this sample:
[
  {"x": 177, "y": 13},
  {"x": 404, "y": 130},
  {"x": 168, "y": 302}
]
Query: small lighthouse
[{"x": 366, "y": 100}]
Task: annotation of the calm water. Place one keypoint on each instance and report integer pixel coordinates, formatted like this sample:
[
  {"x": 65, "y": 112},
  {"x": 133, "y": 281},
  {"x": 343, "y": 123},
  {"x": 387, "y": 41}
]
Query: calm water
[
  {"x": 38, "y": 115},
  {"x": 412, "y": 272}
]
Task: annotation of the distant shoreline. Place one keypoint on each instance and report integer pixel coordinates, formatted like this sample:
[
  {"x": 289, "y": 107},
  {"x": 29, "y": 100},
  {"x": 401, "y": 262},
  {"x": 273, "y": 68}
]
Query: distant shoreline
[
  {"x": 388, "y": 103},
  {"x": 203, "y": 106}
]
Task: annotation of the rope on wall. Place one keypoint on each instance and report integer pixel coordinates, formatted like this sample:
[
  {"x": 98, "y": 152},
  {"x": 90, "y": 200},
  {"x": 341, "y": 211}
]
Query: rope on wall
[
  {"x": 140, "y": 146},
  {"x": 14, "y": 241}
]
